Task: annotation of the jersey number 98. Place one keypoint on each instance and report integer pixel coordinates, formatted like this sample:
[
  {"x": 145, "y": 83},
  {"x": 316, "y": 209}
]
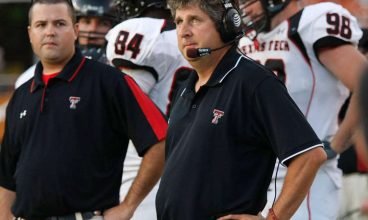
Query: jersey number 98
[{"x": 340, "y": 25}]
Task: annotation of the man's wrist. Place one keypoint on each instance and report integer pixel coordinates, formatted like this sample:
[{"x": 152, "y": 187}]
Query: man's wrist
[{"x": 272, "y": 215}]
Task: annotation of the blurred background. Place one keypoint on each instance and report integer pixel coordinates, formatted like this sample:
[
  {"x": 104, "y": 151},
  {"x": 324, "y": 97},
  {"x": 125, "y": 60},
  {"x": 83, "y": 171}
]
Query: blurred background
[{"x": 15, "y": 51}]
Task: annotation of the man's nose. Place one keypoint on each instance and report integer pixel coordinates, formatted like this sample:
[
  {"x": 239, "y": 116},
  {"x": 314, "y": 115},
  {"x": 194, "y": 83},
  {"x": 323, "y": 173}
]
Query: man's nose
[
  {"x": 50, "y": 29},
  {"x": 93, "y": 25},
  {"x": 183, "y": 30}
]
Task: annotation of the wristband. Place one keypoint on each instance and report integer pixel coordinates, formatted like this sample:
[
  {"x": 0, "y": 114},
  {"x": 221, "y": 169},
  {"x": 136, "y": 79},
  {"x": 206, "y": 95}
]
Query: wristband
[
  {"x": 272, "y": 214},
  {"x": 327, "y": 147}
]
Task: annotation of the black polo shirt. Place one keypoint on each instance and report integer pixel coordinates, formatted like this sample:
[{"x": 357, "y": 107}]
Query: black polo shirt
[
  {"x": 223, "y": 141},
  {"x": 65, "y": 143}
]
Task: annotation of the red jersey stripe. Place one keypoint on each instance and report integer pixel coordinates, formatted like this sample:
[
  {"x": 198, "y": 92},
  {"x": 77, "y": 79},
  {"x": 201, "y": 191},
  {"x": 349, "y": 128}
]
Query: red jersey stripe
[{"x": 153, "y": 115}]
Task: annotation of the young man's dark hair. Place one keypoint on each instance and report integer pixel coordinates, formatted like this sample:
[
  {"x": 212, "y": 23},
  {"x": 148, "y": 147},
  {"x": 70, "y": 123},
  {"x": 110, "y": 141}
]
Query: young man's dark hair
[{"x": 68, "y": 2}]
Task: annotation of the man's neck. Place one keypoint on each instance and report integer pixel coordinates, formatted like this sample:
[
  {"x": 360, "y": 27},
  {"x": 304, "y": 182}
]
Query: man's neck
[
  {"x": 48, "y": 70},
  {"x": 292, "y": 8},
  {"x": 205, "y": 66},
  {"x": 53, "y": 67}
]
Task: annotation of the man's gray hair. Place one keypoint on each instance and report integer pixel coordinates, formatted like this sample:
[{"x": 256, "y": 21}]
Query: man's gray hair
[{"x": 214, "y": 8}]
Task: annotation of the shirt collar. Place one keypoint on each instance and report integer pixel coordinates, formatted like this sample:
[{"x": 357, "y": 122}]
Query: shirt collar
[
  {"x": 224, "y": 67},
  {"x": 68, "y": 73}
]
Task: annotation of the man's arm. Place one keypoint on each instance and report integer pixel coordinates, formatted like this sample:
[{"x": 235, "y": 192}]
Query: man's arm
[
  {"x": 7, "y": 199},
  {"x": 149, "y": 173},
  {"x": 299, "y": 177},
  {"x": 348, "y": 71}
]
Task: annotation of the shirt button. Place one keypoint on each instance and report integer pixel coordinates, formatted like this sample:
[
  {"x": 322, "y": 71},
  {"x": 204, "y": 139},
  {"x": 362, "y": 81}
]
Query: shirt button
[{"x": 194, "y": 106}]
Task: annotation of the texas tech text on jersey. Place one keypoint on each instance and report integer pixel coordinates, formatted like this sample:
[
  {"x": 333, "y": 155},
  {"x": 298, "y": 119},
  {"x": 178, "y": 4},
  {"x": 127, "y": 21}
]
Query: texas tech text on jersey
[{"x": 273, "y": 45}]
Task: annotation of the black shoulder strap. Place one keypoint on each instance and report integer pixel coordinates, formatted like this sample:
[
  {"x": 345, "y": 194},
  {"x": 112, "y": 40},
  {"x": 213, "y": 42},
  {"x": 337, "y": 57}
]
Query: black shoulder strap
[{"x": 294, "y": 34}]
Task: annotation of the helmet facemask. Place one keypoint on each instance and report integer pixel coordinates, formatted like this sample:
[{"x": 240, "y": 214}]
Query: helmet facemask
[
  {"x": 92, "y": 41},
  {"x": 134, "y": 8},
  {"x": 255, "y": 23}
]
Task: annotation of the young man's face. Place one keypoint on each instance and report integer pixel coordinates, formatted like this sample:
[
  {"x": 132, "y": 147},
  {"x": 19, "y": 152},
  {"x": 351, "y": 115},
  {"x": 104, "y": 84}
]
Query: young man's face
[
  {"x": 250, "y": 10},
  {"x": 52, "y": 32},
  {"x": 195, "y": 29},
  {"x": 92, "y": 30}
]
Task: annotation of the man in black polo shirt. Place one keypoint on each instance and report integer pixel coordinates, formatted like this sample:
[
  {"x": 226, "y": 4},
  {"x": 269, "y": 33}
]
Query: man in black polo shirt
[
  {"x": 228, "y": 125},
  {"x": 67, "y": 130}
]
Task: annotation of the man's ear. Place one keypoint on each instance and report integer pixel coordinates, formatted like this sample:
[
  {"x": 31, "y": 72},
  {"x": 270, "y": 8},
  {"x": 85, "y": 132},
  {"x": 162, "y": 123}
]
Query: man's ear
[
  {"x": 29, "y": 33},
  {"x": 76, "y": 30}
]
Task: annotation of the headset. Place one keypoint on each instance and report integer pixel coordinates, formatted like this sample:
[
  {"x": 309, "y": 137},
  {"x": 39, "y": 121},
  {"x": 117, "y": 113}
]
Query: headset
[
  {"x": 231, "y": 30},
  {"x": 231, "y": 27}
]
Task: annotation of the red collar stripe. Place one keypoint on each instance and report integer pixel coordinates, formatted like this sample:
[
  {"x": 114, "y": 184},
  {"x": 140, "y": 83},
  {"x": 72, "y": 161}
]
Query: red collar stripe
[{"x": 78, "y": 69}]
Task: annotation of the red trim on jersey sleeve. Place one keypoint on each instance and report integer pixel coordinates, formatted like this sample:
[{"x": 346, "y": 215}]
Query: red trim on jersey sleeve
[
  {"x": 163, "y": 26},
  {"x": 153, "y": 115},
  {"x": 362, "y": 167}
]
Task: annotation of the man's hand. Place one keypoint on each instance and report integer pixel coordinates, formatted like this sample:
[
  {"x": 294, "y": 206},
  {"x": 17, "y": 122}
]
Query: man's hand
[
  {"x": 7, "y": 199},
  {"x": 364, "y": 208},
  {"x": 120, "y": 212},
  {"x": 242, "y": 217},
  {"x": 149, "y": 172}
]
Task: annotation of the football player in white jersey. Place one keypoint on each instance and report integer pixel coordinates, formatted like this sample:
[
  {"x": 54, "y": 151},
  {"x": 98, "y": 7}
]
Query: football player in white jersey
[
  {"x": 314, "y": 52},
  {"x": 144, "y": 46}
]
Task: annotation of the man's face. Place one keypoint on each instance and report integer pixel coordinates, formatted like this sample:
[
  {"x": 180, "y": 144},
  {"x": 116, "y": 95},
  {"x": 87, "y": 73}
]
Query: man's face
[
  {"x": 195, "y": 29},
  {"x": 52, "y": 33},
  {"x": 92, "y": 30},
  {"x": 251, "y": 9}
]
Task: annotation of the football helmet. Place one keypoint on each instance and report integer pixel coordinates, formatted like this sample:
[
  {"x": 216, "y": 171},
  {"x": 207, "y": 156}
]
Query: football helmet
[
  {"x": 257, "y": 22},
  {"x": 98, "y": 8},
  {"x": 134, "y": 8},
  {"x": 92, "y": 43}
]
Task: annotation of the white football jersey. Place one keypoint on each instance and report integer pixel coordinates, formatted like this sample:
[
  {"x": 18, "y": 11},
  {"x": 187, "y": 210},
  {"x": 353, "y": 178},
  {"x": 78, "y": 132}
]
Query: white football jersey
[
  {"x": 147, "y": 49},
  {"x": 290, "y": 50},
  {"x": 149, "y": 44}
]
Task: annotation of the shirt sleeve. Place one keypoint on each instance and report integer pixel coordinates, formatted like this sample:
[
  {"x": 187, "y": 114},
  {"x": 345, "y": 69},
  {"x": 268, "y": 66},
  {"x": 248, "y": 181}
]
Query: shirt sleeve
[
  {"x": 328, "y": 25},
  {"x": 9, "y": 153},
  {"x": 144, "y": 122},
  {"x": 286, "y": 129}
]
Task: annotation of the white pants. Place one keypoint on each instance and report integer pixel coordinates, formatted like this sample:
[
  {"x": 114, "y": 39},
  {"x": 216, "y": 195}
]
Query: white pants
[
  {"x": 322, "y": 201},
  {"x": 354, "y": 192},
  {"x": 147, "y": 209}
]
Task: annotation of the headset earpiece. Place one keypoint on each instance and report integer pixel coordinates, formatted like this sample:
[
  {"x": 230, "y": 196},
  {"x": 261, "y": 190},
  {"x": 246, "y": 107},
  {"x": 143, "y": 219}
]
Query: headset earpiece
[{"x": 231, "y": 27}]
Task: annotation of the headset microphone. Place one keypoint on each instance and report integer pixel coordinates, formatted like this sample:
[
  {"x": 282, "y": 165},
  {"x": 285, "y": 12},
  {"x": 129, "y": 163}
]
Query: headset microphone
[{"x": 200, "y": 52}]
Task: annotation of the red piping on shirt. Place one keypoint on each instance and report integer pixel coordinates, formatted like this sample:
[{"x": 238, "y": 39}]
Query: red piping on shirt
[
  {"x": 78, "y": 69},
  {"x": 151, "y": 112},
  {"x": 43, "y": 98},
  {"x": 32, "y": 86}
]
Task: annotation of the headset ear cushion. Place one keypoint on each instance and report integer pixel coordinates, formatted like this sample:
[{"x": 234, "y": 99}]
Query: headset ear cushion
[{"x": 231, "y": 25}]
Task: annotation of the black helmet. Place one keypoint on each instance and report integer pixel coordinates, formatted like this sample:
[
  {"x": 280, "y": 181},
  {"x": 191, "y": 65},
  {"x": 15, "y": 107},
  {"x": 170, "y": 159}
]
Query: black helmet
[
  {"x": 274, "y": 6},
  {"x": 104, "y": 9},
  {"x": 134, "y": 8},
  {"x": 261, "y": 22},
  {"x": 99, "y": 8}
]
